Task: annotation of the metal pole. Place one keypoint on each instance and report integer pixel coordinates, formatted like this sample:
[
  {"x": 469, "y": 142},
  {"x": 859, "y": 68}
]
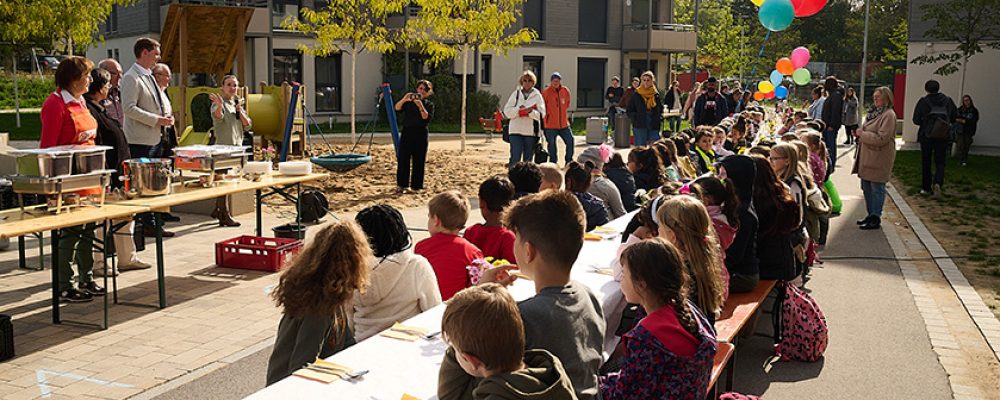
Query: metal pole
[
  {"x": 742, "y": 40},
  {"x": 864, "y": 56},
  {"x": 649, "y": 33},
  {"x": 694, "y": 58}
]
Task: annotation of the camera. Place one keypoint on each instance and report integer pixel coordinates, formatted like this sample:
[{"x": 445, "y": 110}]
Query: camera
[{"x": 415, "y": 96}]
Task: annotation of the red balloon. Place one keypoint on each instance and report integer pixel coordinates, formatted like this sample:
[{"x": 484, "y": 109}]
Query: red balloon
[
  {"x": 806, "y": 8},
  {"x": 769, "y": 95}
]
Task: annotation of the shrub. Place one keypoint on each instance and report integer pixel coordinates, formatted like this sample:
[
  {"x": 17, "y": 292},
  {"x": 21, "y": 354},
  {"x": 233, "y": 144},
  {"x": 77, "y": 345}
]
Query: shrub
[
  {"x": 447, "y": 100},
  {"x": 32, "y": 90}
]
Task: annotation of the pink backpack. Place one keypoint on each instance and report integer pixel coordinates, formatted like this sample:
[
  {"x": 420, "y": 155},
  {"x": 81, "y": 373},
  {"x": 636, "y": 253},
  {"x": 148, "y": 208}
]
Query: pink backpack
[
  {"x": 801, "y": 334},
  {"x": 737, "y": 396}
]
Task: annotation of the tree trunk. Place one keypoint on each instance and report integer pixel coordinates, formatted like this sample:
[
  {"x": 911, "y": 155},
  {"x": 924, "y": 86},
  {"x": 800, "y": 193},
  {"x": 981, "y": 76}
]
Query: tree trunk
[
  {"x": 354, "y": 84},
  {"x": 961, "y": 92},
  {"x": 465, "y": 95},
  {"x": 17, "y": 98}
]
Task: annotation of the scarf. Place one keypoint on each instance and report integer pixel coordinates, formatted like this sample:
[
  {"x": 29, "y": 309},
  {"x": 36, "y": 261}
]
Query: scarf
[
  {"x": 648, "y": 94},
  {"x": 874, "y": 112}
]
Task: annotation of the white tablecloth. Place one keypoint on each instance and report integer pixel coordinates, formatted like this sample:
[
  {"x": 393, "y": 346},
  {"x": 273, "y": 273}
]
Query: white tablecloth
[{"x": 397, "y": 367}]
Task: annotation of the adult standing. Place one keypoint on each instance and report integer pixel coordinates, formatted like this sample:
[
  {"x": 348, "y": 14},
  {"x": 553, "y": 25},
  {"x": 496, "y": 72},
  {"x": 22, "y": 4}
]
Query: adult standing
[
  {"x": 710, "y": 107},
  {"x": 816, "y": 107},
  {"x": 67, "y": 121},
  {"x": 673, "y": 102},
  {"x": 417, "y": 113},
  {"x": 109, "y": 133},
  {"x": 613, "y": 95},
  {"x": 623, "y": 104},
  {"x": 525, "y": 109},
  {"x": 557, "y": 98},
  {"x": 876, "y": 154},
  {"x": 229, "y": 122},
  {"x": 930, "y": 112},
  {"x": 645, "y": 110},
  {"x": 968, "y": 116},
  {"x": 113, "y": 103},
  {"x": 162, "y": 75},
  {"x": 851, "y": 117},
  {"x": 833, "y": 117}
]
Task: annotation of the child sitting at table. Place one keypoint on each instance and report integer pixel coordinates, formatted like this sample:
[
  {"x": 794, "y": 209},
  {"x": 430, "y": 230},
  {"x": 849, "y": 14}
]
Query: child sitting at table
[
  {"x": 526, "y": 177},
  {"x": 495, "y": 240},
  {"x": 618, "y": 173},
  {"x": 578, "y": 180},
  {"x": 485, "y": 332},
  {"x": 552, "y": 176},
  {"x": 313, "y": 292},
  {"x": 684, "y": 221},
  {"x": 563, "y": 317},
  {"x": 448, "y": 252},
  {"x": 402, "y": 283},
  {"x": 669, "y": 353}
]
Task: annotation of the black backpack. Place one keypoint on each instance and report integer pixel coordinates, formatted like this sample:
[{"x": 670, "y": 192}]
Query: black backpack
[
  {"x": 315, "y": 206},
  {"x": 940, "y": 127}
]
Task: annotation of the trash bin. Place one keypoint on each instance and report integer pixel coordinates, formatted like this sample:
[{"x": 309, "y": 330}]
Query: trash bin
[
  {"x": 596, "y": 133},
  {"x": 623, "y": 131}
]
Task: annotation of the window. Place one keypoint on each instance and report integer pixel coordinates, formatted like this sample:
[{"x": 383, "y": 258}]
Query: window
[
  {"x": 534, "y": 16},
  {"x": 640, "y": 11},
  {"x": 534, "y": 64},
  {"x": 637, "y": 67},
  {"x": 328, "y": 89},
  {"x": 590, "y": 82},
  {"x": 281, "y": 9},
  {"x": 113, "y": 53},
  {"x": 593, "y": 21},
  {"x": 111, "y": 26},
  {"x": 287, "y": 66},
  {"x": 486, "y": 69}
]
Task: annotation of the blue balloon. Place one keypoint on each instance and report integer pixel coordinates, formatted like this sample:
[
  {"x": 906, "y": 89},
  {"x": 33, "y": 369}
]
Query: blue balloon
[
  {"x": 776, "y": 78},
  {"x": 776, "y": 15},
  {"x": 780, "y": 91}
]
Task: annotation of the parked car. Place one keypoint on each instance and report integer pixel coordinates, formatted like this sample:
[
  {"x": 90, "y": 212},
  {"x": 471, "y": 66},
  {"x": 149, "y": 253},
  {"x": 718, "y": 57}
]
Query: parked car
[{"x": 44, "y": 62}]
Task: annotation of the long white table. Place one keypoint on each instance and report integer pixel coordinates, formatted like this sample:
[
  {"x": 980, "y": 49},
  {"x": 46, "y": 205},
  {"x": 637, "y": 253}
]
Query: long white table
[{"x": 398, "y": 367}]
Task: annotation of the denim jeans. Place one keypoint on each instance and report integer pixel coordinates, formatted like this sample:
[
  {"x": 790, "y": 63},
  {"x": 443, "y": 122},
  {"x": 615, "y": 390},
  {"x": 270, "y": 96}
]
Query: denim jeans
[
  {"x": 830, "y": 139},
  {"x": 567, "y": 137},
  {"x": 874, "y": 197},
  {"x": 933, "y": 150},
  {"x": 644, "y": 136},
  {"x": 674, "y": 123},
  {"x": 521, "y": 148}
]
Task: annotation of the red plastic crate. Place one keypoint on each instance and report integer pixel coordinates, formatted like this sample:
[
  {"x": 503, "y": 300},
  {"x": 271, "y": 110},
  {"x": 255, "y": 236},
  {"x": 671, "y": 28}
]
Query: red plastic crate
[{"x": 257, "y": 253}]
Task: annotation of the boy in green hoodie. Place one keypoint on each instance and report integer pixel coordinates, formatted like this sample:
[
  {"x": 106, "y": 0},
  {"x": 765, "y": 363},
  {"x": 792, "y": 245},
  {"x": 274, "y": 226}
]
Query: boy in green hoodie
[{"x": 486, "y": 357}]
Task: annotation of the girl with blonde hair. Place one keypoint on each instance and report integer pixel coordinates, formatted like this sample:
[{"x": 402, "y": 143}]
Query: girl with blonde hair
[{"x": 684, "y": 221}]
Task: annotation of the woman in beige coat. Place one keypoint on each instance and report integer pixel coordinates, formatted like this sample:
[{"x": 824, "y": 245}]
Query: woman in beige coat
[{"x": 876, "y": 153}]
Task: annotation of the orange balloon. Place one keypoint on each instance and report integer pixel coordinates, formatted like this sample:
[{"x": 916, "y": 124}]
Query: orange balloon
[
  {"x": 758, "y": 96},
  {"x": 784, "y": 66}
]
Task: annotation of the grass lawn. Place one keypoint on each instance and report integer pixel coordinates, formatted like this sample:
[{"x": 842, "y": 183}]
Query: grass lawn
[
  {"x": 964, "y": 218},
  {"x": 31, "y": 126}
]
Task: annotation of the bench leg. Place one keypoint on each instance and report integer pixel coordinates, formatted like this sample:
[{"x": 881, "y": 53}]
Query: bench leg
[{"x": 55, "y": 277}]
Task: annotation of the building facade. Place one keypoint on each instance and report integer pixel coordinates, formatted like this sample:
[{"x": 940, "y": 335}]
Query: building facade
[{"x": 587, "y": 41}]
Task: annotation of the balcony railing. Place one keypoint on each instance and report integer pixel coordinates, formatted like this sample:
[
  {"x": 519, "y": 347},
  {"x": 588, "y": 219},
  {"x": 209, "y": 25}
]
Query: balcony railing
[
  {"x": 226, "y": 3},
  {"x": 660, "y": 26}
]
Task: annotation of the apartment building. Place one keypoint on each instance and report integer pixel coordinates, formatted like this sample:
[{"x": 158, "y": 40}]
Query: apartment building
[{"x": 587, "y": 41}]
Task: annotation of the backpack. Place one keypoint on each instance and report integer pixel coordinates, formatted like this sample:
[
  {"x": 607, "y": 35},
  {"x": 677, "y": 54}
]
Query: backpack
[
  {"x": 801, "y": 333},
  {"x": 940, "y": 128},
  {"x": 314, "y": 206},
  {"x": 737, "y": 396}
]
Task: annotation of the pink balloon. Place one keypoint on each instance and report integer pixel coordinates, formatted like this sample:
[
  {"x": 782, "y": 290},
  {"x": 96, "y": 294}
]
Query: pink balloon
[
  {"x": 800, "y": 57},
  {"x": 806, "y": 8}
]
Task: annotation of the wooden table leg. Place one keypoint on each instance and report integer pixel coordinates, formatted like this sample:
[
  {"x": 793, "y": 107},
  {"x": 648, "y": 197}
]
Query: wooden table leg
[{"x": 55, "y": 276}]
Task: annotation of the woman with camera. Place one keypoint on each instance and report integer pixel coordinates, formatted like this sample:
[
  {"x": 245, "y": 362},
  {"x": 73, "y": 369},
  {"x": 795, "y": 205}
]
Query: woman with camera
[{"x": 417, "y": 112}]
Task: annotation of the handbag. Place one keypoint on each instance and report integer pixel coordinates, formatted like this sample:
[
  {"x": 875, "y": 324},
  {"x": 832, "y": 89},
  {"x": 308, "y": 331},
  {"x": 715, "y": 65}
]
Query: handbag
[{"x": 541, "y": 155}]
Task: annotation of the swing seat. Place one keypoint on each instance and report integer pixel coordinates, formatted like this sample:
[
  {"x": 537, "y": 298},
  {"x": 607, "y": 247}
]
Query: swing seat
[
  {"x": 190, "y": 137},
  {"x": 342, "y": 162}
]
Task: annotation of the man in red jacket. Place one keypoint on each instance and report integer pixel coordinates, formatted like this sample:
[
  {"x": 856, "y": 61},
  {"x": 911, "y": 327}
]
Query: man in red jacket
[{"x": 557, "y": 99}]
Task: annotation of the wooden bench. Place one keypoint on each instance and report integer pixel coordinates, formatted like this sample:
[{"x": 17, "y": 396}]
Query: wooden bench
[
  {"x": 738, "y": 310},
  {"x": 722, "y": 357}
]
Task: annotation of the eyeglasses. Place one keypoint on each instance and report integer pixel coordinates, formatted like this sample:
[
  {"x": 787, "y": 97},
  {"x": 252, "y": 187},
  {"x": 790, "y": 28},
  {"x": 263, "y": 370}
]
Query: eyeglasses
[{"x": 772, "y": 158}]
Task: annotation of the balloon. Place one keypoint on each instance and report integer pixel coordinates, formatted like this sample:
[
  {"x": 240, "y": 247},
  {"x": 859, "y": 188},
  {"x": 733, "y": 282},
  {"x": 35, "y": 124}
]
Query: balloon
[
  {"x": 800, "y": 57},
  {"x": 806, "y": 8},
  {"x": 758, "y": 96},
  {"x": 801, "y": 76},
  {"x": 776, "y": 15},
  {"x": 776, "y": 78},
  {"x": 769, "y": 95},
  {"x": 780, "y": 92},
  {"x": 757, "y": 3},
  {"x": 784, "y": 66},
  {"x": 765, "y": 87}
]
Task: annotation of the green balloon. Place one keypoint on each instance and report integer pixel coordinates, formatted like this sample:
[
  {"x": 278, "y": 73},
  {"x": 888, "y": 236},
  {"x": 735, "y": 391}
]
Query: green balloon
[{"x": 801, "y": 76}]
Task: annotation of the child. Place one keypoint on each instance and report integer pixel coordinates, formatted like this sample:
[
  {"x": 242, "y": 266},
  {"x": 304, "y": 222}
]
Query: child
[
  {"x": 646, "y": 167},
  {"x": 817, "y": 155},
  {"x": 402, "y": 283},
  {"x": 563, "y": 317},
  {"x": 738, "y": 135},
  {"x": 447, "y": 252},
  {"x": 593, "y": 158},
  {"x": 665, "y": 148},
  {"x": 495, "y": 194},
  {"x": 741, "y": 256},
  {"x": 778, "y": 215},
  {"x": 669, "y": 353},
  {"x": 578, "y": 182},
  {"x": 720, "y": 200},
  {"x": 312, "y": 291},
  {"x": 682, "y": 147},
  {"x": 624, "y": 181},
  {"x": 552, "y": 177},
  {"x": 702, "y": 154},
  {"x": 486, "y": 336},
  {"x": 684, "y": 222},
  {"x": 526, "y": 177},
  {"x": 719, "y": 142}
]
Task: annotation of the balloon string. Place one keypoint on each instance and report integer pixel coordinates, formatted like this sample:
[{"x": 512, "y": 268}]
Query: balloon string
[{"x": 753, "y": 69}]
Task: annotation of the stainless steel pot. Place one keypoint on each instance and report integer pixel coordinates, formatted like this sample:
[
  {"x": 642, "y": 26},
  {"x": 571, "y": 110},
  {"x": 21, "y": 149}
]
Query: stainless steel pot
[{"x": 147, "y": 176}]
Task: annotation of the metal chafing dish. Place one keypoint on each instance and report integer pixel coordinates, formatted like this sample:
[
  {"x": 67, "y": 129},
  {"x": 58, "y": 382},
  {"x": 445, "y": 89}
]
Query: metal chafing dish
[
  {"x": 60, "y": 160},
  {"x": 61, "y": 185},
  {"x": 209, "y": 160}
]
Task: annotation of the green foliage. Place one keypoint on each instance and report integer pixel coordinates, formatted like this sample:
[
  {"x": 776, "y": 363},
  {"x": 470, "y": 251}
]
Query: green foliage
[
  {"x": 973, "y": 24},
  {"x": 72, "y": 23},
  {"x": 443, "y": 29},
  {"x": 31, "y": 90},
  {"x": 447, "y": 100},
  {"x": 719, "y": 35}
]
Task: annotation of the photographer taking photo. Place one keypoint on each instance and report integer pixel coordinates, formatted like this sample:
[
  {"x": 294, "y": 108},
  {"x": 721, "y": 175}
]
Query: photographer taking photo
[{"x": 417, "y": 112}]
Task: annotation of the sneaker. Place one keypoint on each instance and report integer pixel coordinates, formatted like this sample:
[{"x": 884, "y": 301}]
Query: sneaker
[
  {"x": 924, "y": 192},
  {"x": 99, "y": 272},
  {"x": 400, "y": 190},
  {"x": 74, "y": 295},
  {"x": 92, "y": 288},
  {"x": 132, "y": 266},
  {"x": 936, "y": 189},
  {"x": 965, "y": 164}
]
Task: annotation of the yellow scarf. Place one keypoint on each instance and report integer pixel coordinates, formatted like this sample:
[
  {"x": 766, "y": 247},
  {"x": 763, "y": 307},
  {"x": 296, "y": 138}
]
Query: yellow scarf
[{"x": 649, "y": 95}]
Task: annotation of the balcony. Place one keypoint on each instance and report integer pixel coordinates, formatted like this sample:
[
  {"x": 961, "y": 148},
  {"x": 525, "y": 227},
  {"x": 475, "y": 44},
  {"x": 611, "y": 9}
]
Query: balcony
[{"x": 661, "y": 38}]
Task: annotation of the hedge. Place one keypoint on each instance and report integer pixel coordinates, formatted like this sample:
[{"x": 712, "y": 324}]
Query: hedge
[{"x": 32, "y": 90}]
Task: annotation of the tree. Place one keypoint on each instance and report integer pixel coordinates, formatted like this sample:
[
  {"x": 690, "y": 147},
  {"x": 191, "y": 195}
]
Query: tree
[
  {"x": 17, "y": 27},
  {"x": 972, "y": 24},
  {"x": 72, "y": 22},
  {"x": 443, "y": 29},
  {"x": 348, "y": 26},
  {"x": 721, "y": 41}
]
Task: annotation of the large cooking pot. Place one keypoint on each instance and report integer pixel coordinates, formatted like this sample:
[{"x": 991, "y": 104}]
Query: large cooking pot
[{"x": 147, "y": 176}]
